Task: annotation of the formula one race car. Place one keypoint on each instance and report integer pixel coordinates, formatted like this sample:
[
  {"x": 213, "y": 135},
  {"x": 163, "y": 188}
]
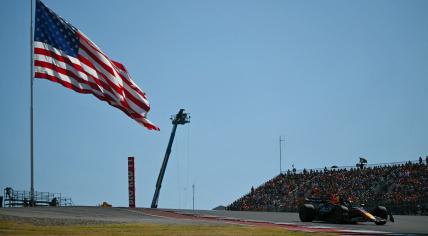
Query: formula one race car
[{"x": 317, "y": 209}]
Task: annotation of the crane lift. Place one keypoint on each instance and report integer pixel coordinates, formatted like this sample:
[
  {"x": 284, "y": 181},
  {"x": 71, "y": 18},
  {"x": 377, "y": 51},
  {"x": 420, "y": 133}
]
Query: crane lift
[{"x": 180, "y": 118}]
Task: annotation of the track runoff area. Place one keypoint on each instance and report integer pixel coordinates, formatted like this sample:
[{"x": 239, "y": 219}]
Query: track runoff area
[{"x": 403, "y": 225}]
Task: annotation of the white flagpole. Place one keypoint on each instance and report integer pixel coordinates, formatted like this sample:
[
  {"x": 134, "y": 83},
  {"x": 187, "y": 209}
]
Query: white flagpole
[{"x": 32, "y": 203}]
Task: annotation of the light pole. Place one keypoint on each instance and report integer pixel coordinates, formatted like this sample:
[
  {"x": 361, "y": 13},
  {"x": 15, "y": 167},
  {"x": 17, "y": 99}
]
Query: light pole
[
  {"x": 193, "y": 191},
  {"x": 280, "y": 153}
]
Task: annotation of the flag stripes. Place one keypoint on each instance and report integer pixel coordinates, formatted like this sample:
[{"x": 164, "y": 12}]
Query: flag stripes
[{"x": 75, "y": 62}]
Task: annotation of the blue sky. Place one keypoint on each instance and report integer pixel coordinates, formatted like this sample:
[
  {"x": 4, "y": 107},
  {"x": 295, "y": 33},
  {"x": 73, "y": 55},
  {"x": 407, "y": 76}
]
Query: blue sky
[{"x": 338, "y": 79}]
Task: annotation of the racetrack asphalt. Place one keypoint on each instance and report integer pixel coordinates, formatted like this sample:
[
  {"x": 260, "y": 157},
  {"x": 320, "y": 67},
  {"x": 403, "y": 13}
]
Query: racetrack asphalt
[
  {"x": 403, "y": 225},
  {"x": 87, "y": 215}
]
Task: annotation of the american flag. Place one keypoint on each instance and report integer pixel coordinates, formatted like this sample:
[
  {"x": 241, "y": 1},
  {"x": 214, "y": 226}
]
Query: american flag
[{"x": 63, "y": 54}]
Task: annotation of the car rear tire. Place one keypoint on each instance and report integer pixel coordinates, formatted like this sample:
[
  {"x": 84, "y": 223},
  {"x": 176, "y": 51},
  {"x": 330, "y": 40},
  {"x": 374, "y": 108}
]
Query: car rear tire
[
  {"x": 307, "y": 213},
  {"x": 382, "y": 212},
  {"x": 380, "y": 222}
]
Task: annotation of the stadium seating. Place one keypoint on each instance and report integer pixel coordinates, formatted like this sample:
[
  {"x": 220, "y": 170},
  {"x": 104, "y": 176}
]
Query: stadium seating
[{"x": 402, "y": 188}]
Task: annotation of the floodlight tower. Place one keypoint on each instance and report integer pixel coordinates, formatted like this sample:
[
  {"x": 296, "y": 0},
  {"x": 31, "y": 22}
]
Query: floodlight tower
[{"x": 180, "y": 118}]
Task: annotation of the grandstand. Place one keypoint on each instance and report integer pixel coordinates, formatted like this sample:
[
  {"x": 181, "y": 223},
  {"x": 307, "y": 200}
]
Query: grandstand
[{"x": 401, "y": 187}]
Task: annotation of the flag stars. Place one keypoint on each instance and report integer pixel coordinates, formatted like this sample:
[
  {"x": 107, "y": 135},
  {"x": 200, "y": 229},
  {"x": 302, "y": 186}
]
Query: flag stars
[{"x": 54, "y": 31}]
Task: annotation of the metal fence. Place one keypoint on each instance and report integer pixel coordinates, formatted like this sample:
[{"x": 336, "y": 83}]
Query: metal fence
[
  {"x": 299, "y": 171},
  {"x": 14, "y": 198}
]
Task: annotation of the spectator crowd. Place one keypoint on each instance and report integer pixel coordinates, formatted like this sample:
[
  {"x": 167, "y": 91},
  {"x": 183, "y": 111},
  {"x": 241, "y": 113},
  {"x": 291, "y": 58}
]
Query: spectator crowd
[{"x": 403, "y": 188}]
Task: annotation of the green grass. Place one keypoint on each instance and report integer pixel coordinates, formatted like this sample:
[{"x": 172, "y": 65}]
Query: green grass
[{"x": 14, "y": 228}]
